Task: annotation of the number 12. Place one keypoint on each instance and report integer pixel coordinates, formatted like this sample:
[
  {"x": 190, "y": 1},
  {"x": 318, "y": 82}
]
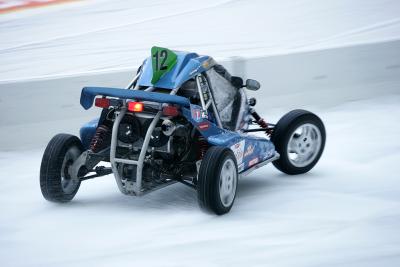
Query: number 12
[{"x": 160, "y": 60}]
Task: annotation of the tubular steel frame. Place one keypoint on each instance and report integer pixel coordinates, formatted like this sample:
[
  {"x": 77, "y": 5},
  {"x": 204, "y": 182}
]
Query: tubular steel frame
[{"x": 137, "y": 186}]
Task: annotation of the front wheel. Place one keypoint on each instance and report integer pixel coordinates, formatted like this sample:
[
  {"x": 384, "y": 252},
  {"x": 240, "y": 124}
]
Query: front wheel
[
  {"x": 56, "y": 183},
  {"x": 299, "y": 138},
  {"x": 217, "y": 180}
]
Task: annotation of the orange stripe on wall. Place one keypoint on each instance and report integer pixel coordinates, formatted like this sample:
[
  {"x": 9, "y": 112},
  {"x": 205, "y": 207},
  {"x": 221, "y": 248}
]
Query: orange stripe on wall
[{"x": 32, "y": 4}]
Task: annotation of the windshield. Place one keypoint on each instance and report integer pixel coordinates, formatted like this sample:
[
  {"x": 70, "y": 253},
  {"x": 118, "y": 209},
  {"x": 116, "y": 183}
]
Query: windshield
[{"x": 226, "y": 96}]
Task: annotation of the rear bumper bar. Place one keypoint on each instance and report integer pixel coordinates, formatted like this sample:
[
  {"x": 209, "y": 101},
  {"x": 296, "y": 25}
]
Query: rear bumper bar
[{"x": 89, "y": 93}]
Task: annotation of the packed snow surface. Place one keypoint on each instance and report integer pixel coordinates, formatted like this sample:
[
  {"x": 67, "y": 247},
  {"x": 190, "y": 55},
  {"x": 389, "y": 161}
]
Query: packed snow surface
[
  {"x": 94, "y": 35},
  {"x": 345, "y": 212}
]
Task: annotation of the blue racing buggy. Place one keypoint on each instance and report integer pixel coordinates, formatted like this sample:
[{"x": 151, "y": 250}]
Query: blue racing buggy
[{"x": 183, "y": 118}]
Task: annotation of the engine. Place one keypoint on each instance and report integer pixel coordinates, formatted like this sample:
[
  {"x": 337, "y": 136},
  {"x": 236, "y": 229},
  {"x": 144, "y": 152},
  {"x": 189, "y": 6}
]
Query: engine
[
  {"x": 169, "y": 144},
  {"x": 132, "y": 131}
]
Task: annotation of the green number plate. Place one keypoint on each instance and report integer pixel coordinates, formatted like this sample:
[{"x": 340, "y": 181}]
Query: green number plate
[{"x": 163, "y": 60}]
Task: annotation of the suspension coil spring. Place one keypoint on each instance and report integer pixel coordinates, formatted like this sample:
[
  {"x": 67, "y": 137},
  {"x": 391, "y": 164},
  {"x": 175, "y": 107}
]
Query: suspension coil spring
[
  {"x": 203, "y": 146},
  {"x": 102, "y": 133},
  {"x": 262, "y": 123}
]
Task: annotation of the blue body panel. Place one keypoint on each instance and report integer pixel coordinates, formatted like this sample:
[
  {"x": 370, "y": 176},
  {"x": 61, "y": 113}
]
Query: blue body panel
[
  {"x": 87, "y": 132},
  {"x": 89, "y": 93},
  {"x": 188, "y": 65},
  {"x": 248, "y": 149}
]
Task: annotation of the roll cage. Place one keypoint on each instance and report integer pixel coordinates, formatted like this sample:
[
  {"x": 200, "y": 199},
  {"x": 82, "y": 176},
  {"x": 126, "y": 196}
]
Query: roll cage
[{"x": 208, "y": 104}]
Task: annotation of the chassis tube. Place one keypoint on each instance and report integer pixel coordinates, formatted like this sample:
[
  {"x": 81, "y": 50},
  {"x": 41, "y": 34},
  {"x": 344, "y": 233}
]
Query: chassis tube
[
  {"x": 211, "y": 100},
  {"x": 114, "y": 140},
  {"x": 203, "y": 103},
  {"x": 139, "y": 169},
  {"x": 216, "y": 112},
  {"x": 137, "y": 190},
  {"x": 133, "y": 81}
]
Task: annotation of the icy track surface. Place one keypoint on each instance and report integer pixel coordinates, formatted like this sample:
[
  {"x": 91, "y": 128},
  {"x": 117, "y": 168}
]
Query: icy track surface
[
  {"x": 94, "y": 35},
  {"x": 345, "y": 212}
]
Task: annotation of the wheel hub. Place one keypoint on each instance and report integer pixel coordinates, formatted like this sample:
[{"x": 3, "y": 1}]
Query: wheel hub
[
  {"x": 304, "y": 145},
  {"x": 68, "y": 182},
  {"x": 228, "y": 182}
]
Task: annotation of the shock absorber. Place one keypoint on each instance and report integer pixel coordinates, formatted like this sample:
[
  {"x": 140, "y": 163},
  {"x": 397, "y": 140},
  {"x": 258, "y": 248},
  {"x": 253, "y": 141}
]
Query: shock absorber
[
  {"x": 203, "y": 146},
  {"x": 100, "y": 137},
  {"x": 260, "y": 121}
]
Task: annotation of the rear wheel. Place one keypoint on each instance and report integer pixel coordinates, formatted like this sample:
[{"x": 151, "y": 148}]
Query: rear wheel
[
  {"x": 56, "y": 183},
  {"x": 299, "y": 138},
  {"x": 217, "y": 180}
]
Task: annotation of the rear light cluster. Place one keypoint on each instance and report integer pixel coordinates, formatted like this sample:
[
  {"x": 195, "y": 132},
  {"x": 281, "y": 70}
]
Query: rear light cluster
[
  {"x": 102, "y": 102},
  {"x": 134, "y": 106},
  {"x": 169, "y": 110}
]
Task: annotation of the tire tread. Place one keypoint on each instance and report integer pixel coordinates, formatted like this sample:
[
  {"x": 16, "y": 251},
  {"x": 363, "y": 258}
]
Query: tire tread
[
  {"x": 50, "y": 169},
  {"x": 208, "y": 190},
  {"x": 280, "y": 137}
]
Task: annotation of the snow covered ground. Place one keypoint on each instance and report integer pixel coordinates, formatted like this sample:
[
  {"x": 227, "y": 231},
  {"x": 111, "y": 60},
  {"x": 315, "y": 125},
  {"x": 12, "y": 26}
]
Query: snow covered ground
[
  {"x": 93, "y": 35},
  {"x": 345, "y": 212}
]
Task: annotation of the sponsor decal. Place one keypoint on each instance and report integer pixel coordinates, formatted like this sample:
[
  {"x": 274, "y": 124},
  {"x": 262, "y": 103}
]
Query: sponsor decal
[
  {"x": 205, "y": 96},
  {"x": 238, "y": 151},
  {"x": 195, "y": 71},
  {"x": 196, "y": 113},
  {"x": 241, "y": 167},
  {"x": 249, "y": 150},
  {"x": 268, "y": 155},
  {"x": 204, "y": 125},
  {"x": 253, "y": 161}
]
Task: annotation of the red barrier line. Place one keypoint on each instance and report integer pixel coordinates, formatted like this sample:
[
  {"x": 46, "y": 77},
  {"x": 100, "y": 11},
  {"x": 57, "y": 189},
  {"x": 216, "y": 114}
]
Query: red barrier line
[{"x": 33, "y": 5}]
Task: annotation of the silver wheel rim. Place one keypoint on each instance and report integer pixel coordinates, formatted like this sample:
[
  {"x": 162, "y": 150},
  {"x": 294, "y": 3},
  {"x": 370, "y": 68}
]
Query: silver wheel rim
[
  {"x": 304, "y": 145},
  {"x": 68, "y": 184},
  {"x": 228, "y": 183}
]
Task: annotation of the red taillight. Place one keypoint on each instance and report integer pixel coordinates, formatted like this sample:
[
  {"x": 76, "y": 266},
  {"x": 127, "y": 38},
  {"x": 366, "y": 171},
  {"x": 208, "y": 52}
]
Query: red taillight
[
  {"x": 135, "y": 106},
  {"x": 102, "y": 102},
  {"x": 170, "y": 111}
]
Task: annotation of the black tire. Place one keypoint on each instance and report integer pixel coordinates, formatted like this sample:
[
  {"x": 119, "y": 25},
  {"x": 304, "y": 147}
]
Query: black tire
[
  {"x": 56, "y": 187},
  {"x": 209, "y": 180},
  {"x": 285, "y": 129}
]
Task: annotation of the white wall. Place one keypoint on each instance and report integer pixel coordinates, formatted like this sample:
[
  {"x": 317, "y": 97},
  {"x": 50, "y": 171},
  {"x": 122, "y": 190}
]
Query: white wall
[
  {"x": 327, "y": 77},
  {"x": 33, "y": 111}
]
